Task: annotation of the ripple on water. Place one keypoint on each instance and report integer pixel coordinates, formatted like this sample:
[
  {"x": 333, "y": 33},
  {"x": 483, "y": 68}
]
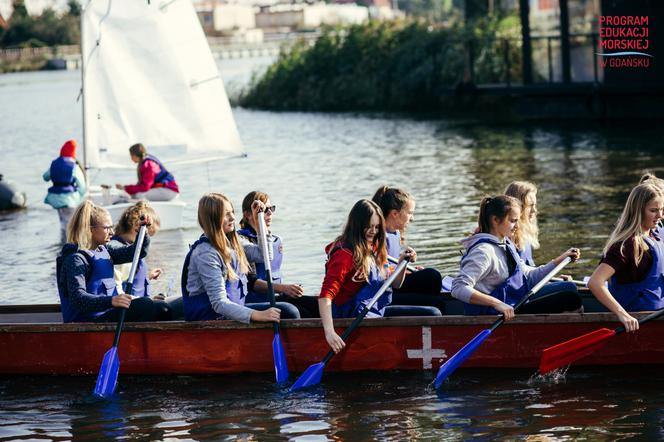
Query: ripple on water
[{"x": 304, "y": 427}]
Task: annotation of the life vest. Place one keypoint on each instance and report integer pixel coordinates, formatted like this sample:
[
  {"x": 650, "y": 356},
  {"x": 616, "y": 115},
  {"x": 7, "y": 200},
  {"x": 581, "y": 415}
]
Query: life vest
[
  {"x": 509, "y": 291},
  {"x": 164, "y": 176},
  {"x": 62, "y": 175},
  {"x": 646, "y": 294},
  {"x": 527, "y": 255},
  {"x": 99, "y": 281},
  {"x": 393, "y": 243},
  {"x": 275, "y": 264},
  {"x": 141, "y": 283},
  {"x": 197, "y": 307},
  {"x": 356, "y": 304}
]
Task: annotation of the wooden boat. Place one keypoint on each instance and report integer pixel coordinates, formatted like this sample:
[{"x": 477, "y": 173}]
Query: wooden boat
[{"x": 34, "y": 341}]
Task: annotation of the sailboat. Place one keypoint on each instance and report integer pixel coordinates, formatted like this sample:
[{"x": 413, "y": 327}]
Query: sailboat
[{"x": 148, "y": 76}]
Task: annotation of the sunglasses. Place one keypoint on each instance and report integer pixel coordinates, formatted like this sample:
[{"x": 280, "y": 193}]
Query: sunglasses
[{"x": 270, "y": 209}]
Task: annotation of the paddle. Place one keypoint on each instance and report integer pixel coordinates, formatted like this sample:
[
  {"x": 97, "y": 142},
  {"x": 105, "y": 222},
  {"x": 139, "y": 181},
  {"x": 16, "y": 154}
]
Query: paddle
[
  {"x": 409, "y": 267},
  {"x": 567, "y": 352},
  {"x": 110, "y": 365},
  {"x": 313, "y": 374},
  {"x": 278, "y": 353},
  {"x": 574, "y": 281},
  {"x": 459, "y": 357}
]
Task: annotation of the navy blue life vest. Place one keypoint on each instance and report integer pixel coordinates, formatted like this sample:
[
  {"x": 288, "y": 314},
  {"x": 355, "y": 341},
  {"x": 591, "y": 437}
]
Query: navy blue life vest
[
  {"x": 62, "y": 175},
  {"x": 164, "y": 176},
  {"x": 527, "y": 255},
  {"x": 647, "y": 294},
  {"x": 356, "y": 304},
  {"x": 509, "y": 291},
  {"x": 141, "y": 283},
  {"x": 393, "y": 243},
  {"x": 197, "y": 307},
  {"x": 99, "y": 281},
  {"x": 275, "y": 264}
]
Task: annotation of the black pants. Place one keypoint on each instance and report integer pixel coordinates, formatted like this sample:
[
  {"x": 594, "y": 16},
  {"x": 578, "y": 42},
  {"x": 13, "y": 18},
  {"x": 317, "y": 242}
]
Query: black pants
[
  {"x": 140, "y": 310},
  {"x": 557, "y": 297},
  {"x": 421, "y": 288},
  {"x": 306, "y": 305}
]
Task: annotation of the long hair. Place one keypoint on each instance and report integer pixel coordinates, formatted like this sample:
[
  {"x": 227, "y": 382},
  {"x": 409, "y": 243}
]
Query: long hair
[
  {"x": 131, "y": 217},
  {"x": 79, "y": 229},
  {"x": 499, "y": 206},
  {"x": 650, "y": 177},
  {"x": 528, "y": 231},
  {"x": 138, "y": 150},
  {"x": 392, "y": 198},
  {"x": 248, "y": 201},
  {"x": 212, "y": 209},
  {"x": 353, "y": 237},
  {"x": 629, "y": 224}
]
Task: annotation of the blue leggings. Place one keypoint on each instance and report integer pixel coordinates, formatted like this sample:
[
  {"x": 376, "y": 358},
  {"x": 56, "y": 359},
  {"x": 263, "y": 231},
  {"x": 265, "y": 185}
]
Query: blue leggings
[
  {"x": 411, "y": 310},
  {"x": 288, "y": 311}
]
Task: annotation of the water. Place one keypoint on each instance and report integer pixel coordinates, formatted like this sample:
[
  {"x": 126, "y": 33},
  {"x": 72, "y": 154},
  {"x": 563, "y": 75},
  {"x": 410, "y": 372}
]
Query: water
[{"x": 315, "y": 166}]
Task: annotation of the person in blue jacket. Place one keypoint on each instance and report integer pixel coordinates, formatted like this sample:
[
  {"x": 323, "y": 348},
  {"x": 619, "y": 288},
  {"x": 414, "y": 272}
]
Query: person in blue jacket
[
  {"x": 68, "y": 189},
  {"x": 290, "y": 293},
  {"x": 633, "y": 258},
  {"x": 214, "y": 274},
  {"x": 88, "y": 292}
]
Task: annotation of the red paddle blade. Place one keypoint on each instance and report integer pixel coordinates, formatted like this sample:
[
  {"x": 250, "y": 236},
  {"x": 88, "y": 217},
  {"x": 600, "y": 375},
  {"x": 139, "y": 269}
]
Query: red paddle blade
[{"x": 574, "y": 349}]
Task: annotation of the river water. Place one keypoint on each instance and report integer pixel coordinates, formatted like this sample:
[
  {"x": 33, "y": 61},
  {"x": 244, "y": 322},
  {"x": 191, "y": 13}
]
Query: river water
[{"x": 315, "y": 166}]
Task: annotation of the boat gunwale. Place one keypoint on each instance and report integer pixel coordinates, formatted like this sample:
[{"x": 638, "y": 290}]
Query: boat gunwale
[{"x": 404, "y": 321}]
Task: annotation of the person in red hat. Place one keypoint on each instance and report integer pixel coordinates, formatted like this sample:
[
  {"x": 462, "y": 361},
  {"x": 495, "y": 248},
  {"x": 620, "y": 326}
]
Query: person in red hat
[{"x": 68, "y": 189}]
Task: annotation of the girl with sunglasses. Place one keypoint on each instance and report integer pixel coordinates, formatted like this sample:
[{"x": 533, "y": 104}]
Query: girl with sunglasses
[
  {"x": 87, "y": 289},
  {"x": 288, "y": 293}
]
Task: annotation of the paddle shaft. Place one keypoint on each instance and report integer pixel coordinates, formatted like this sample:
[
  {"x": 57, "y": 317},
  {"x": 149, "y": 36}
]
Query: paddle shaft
[
  {"x": 574, "y": 281},
  {"x": 367, "y": 307},
  {"x": 534, "y": 290},
  {"x": 130, "y": 281},
  {"x": 648, "y": 318},
  {"x": 262, "y": 231},
  {"x": 393, "y": 260}
]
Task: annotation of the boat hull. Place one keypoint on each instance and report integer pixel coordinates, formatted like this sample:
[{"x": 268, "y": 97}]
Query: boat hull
[{"x": 212, "y": 347}]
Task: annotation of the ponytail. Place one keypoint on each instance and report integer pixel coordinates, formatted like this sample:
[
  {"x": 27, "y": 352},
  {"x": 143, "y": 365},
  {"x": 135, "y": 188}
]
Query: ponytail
[
  {"x": 79, "y": 229},
  {"x": 499, "y": 206}
]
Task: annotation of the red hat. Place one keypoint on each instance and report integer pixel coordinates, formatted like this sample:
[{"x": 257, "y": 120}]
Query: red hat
[{"x": 68, "y": 149}]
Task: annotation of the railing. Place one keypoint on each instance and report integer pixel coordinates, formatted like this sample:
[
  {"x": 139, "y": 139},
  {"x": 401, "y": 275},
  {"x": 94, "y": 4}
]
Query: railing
[{"x": 19, "y": 54}]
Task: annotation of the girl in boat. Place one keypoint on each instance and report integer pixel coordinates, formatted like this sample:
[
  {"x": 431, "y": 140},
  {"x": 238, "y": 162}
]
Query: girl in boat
[
  {"x": 68, "y": 189},
  {"x": 633, "y": 258},
  {"x": 214, "y": 275},
  {"x": 526, "y": 237},
  {"x": 88, "y": 292},
  {"x": 493, "y": 278},
  {"x": 155, "y": 183},
  {"x": 289, "y": 293},
  {"x": 423, "y": 286},
  {"x": 356, "y": 268}
]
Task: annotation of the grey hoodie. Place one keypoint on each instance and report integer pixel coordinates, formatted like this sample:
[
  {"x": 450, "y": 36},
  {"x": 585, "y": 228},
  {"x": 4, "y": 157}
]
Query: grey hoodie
[{"x": 485, "y": 268}]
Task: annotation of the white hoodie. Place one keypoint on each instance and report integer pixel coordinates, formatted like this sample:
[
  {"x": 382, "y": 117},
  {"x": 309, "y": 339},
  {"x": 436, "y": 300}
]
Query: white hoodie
[{"x": 485, "y": 268}]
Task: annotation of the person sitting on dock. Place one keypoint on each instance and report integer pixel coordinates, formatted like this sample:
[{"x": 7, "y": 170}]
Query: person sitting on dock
[
  {"x": 493, "y": 278},
  {"x": 155, "y": 183},
  {"x": 214, "y": 274},
  {"x": 290, "y": 293},
  {"x": 423, "y": 286},
  {"x": 88, "y": 292},
  {"x": 68, "y": 189},
  {"x": 633, "y": 258},
  {"x": 356, "y": 268}
]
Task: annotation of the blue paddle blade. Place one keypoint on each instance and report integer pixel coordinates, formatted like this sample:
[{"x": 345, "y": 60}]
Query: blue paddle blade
[
  {"x": 311, "y": 376},
  {"x": 108, "y": 373},
  {"x": 280, "y": 366},
  {"x": 453, "y": 363}
]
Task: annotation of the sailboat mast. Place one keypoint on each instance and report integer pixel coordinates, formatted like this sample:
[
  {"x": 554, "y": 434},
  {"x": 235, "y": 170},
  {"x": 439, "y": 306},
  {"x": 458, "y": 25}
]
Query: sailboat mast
[{"x": 85, "y": 142}]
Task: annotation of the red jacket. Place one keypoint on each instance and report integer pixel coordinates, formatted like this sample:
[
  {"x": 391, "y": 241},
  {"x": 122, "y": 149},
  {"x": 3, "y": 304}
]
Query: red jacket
[
  {"x": 147, "y": 172},
  {"x": 340, "y": 283}
]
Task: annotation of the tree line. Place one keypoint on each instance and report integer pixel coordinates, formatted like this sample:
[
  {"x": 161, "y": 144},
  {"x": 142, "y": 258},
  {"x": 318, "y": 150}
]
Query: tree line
[{"x": 47, "y": 29}]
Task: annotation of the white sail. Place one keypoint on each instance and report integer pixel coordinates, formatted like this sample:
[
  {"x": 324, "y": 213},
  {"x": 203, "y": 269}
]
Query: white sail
[{"x": 149, "y": 77}]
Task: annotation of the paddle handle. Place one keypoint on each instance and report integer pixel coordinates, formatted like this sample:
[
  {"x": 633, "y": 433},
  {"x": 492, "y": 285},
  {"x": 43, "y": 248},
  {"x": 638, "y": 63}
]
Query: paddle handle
[
  {"x": 394, "y": 260},
  {"x": 262, "y": 231},
  {"x": 648, "y": 318},
  {"x": 130, "y": 280},
  {"x": 534, "y": 290}
]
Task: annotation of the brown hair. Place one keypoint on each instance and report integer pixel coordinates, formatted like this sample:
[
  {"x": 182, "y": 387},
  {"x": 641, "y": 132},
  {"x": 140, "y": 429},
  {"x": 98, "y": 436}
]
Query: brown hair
[
  {"x": 79, "y": 229},
  {"x": 499, "y": 206},
  {"x": 246, "y": 205},
  {"x": 353, "y": 237},
  {"x": 138, "y": 150},
  {"x": 212, "y": 209},
  {"x": 131, "y": 217}
]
